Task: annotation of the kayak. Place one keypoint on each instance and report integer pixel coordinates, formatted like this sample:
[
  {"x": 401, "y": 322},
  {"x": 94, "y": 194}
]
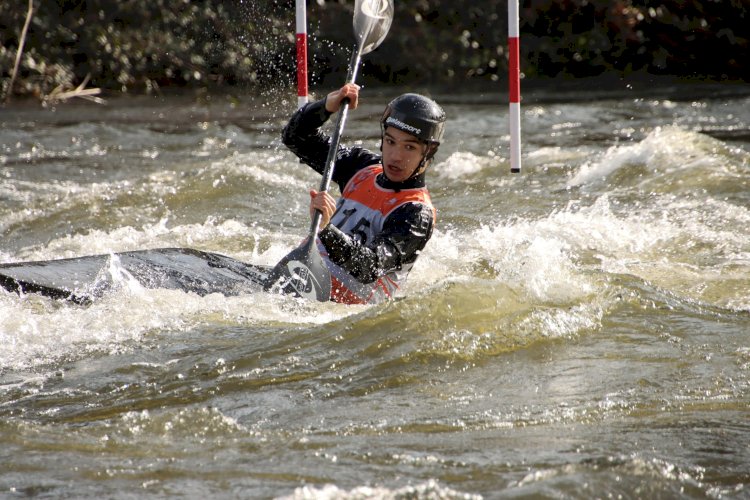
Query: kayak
[{"x": 83, "y": 279}]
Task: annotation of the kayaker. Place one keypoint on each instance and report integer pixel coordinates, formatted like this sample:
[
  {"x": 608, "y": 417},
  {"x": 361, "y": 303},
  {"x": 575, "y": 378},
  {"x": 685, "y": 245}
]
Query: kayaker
[{"x": 372, "y": 236}]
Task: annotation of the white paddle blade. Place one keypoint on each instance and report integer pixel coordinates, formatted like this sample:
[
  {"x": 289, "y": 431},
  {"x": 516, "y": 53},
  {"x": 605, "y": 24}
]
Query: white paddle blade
[{"x": 372, "y": 20}]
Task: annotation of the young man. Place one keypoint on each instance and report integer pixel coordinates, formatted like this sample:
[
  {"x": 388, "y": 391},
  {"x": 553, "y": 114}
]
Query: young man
[{"x": 371, "y": 238}]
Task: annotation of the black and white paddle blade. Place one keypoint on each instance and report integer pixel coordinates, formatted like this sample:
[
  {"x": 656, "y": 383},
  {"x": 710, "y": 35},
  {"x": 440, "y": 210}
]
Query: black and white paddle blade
[{"x": 301, "y": 273}]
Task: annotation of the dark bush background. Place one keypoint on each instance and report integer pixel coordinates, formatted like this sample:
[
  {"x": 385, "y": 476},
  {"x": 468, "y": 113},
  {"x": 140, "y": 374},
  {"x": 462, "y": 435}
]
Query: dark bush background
[{"x": 140, "y": 46}]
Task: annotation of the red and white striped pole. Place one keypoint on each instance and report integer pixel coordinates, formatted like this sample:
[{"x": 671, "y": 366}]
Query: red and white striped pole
[
  {"x": 514, "y": 87},
  {"x": 301, "y": 16}
]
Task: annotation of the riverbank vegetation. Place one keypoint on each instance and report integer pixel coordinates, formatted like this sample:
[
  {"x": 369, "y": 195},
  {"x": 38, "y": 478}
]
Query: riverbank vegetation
[{"x": 139, "y": 46}]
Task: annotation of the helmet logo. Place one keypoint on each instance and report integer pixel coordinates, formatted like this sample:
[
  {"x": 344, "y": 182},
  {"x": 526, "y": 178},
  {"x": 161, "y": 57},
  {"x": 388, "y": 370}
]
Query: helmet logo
[{"x": 403, "y": 126}]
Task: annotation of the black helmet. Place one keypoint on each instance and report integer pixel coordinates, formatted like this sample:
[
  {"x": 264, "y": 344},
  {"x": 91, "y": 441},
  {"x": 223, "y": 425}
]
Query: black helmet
[{"x": 417, "y": 115}]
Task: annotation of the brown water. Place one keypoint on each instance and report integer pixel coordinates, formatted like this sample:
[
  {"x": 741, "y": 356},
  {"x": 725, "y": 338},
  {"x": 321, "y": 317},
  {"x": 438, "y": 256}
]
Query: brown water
[{"x": 580, "y": 330}]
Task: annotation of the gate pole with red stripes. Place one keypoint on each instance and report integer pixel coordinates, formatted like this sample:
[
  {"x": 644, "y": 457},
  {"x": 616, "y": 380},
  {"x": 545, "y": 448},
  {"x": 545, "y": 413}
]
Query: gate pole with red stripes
[
  {"x": 514, "y": 87},
  {"x": 301, "y": 18}
]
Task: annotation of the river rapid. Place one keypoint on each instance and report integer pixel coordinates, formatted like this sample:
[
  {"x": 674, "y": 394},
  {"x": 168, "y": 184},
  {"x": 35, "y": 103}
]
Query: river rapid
[{"x": 578, "y": 330}]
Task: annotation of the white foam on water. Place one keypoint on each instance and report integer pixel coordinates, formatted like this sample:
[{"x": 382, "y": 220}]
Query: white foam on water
[
  {"x": 664, "y": 151},
  {"x": 555, "y": 157},
  {"x": 554, "y": 262},
  {"x": 428, "y": 489},
  {"x": 268, "y": 168},
  {"x": 129, "y": 238},
  {"x": 677, "y": 243},
  {"x": 36, "y": 330},
  {"x": 537, "y": 262},
  {"x": 533, "y": 256},
  {"x": 628, "y": 470},
  {"x": 459, "y": 164},
  {"x": 696, "y": 248},
  {"x": 38, "y": 197},
  {"x": 667, "y": 221}
]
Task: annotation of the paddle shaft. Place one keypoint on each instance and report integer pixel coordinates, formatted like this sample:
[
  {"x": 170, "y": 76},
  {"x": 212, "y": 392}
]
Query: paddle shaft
[
  {"x": 302, "y": 271},
  {"x": 325, "y": 183}
]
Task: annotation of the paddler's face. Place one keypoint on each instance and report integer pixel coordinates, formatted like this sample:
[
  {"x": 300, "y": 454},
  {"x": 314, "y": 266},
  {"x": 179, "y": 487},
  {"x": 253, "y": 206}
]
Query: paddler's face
[{"x": 402, "y": 153}]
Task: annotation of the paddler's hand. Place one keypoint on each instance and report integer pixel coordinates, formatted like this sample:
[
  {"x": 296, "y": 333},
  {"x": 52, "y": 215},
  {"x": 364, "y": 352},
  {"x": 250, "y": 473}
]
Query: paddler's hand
[
  {"x": 348, "y": 91},
  {"x": 325, "y": 203}
]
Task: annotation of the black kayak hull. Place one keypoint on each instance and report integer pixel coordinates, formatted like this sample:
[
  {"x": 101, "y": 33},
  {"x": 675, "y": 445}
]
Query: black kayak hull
[{"x": 83, "y": 279}]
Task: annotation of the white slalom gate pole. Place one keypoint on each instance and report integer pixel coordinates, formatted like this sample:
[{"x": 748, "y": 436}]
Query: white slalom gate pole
[
  {"x": 514, "y": 87},
  {"x": 301, "y": 18}
]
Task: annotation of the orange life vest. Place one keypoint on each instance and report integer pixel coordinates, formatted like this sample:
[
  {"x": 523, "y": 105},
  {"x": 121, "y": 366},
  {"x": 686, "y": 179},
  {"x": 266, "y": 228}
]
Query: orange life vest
[{"x": 361, "y": 212}]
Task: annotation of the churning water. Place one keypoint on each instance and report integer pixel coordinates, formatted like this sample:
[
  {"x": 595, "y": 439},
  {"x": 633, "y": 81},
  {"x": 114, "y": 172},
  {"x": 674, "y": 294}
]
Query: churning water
[{"x": 579, "y": 330}]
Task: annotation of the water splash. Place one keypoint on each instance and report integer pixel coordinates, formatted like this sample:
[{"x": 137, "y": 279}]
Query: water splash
[{"x": 669, "y": 159}]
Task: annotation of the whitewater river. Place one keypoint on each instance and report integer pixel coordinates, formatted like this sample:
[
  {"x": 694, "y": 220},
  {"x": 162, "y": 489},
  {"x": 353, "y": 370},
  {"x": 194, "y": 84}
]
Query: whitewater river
[{"x": 578, "y": 330}]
